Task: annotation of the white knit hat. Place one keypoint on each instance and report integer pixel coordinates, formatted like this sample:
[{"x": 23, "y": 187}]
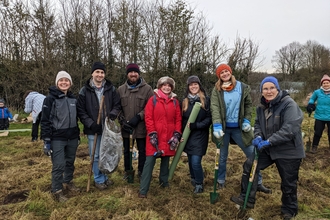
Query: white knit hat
[{"x": 63, "y": 74}]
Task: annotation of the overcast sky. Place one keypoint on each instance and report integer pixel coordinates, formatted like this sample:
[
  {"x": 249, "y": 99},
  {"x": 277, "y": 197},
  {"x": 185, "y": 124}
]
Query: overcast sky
[{"x": 272, "y": 23}]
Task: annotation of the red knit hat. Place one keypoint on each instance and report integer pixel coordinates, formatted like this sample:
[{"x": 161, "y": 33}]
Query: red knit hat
[
  {"x": 325, "y": 77},
  {"x": 223, "y": 67}
]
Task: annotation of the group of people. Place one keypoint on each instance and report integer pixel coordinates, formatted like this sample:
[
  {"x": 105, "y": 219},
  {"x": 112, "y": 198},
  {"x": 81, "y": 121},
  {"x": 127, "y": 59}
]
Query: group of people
[{"x": 155, "y": 119}]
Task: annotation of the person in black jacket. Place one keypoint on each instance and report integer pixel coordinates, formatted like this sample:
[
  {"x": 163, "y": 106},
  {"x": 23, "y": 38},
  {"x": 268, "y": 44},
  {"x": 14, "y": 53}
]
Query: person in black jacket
[
  {"x": 60, "y": 132},
  {"x": 197, "y": 142},
  {"x": 278, "y": 139},
  {"x": 88, "y": 108}
]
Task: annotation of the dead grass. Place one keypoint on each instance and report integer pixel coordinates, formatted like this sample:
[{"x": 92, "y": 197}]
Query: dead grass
[{"x": 25, "y": 188}]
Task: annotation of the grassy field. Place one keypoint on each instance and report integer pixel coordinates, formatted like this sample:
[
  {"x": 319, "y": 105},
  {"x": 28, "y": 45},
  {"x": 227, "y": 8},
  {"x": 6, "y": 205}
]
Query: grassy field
[{"x": 25, "y": 176}]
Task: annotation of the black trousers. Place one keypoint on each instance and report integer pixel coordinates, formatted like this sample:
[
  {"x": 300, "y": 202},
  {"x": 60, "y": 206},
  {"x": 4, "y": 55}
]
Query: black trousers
[
  {"x": 35, "y": 127},
  {"x": 141, "y": 145},
  {"x": 288, "y": 170},
  {"x": 318, "y": 130}
]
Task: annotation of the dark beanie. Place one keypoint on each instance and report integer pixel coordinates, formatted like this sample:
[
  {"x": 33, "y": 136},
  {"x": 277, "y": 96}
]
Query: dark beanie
[
  {"x": 2, "y": 100},
  {"x": 193, "y": 79},
  {"x": 132, "y": 67},
  {"x": 270, "y": 79},
  {"x": 98, "y": 65}
]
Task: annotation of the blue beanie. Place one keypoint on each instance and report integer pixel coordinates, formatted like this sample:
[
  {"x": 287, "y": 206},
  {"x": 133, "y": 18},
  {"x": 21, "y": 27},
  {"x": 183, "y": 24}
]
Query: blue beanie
[{"x": 271, "y": 79}]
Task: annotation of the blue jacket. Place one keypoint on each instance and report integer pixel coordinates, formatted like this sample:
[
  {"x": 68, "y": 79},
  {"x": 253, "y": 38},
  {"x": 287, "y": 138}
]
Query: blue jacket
[
  {"x": 322, "y": 111},
  {"x": 5, "y": 113}
]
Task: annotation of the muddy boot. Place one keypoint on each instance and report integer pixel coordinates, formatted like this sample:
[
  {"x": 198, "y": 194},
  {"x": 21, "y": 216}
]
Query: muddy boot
[
  {"x": 199, "y": 188},
  {"x": 314, "y": 149}
]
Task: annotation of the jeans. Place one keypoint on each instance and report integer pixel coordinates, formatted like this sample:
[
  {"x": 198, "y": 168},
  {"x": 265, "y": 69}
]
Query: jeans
[
  {"x": 147, "y": 173},
  {"x": 195, "y": 168},
  {"x": 99, "y": 177},
  {"x": 141, "y": 145},
  {"x": 63, "y": 157},
  {"x": 235, "y": 134}
]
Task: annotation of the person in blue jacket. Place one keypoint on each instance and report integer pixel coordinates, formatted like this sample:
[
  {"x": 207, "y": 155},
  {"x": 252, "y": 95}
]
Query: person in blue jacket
[
  {"x": 322, "y": 111},
  {"x": 197, "y": 142},
  {"x": 5, "y": 115}
]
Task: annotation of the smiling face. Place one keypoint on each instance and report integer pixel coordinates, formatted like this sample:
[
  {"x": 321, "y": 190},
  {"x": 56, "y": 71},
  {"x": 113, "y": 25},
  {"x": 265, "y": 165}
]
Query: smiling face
[
  {"x": 194, "y": 88},
  {"x": 64, "y": 84},
  {"x": 133, "y": 77},
  {"x": 326, "y": 84},
  {"x": 269, "y": 91},
  {"x": 225, "y": 75},
  {"x": 98, "y": 76},
  {"x": 166, "y": 88}
]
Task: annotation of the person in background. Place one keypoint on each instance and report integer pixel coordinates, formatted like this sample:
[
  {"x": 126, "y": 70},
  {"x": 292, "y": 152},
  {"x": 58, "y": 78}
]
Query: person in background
[
  {"x": 33, "y": 103},
  {"x": 278, "y": 139},
  {"x": 231, "y": 107},
  {"x": 89, "y": 101},
  {"x": 322, "y": 111},
  {"x": 60, "y": 132},
  {"x": 197, "y": 142},
  {"x": 163, "y": 124},
  {"x": 5, "y": 115},
  {"x": 134, "y": 95}
]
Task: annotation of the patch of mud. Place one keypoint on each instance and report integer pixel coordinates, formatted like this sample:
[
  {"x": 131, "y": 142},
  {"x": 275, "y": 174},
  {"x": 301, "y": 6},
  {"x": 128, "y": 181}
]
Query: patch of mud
[{"x": 16, "y": 197}]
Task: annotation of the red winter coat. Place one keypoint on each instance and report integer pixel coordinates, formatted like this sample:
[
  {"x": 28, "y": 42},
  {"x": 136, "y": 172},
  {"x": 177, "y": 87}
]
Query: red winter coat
[{"x": 164, "y": 117}]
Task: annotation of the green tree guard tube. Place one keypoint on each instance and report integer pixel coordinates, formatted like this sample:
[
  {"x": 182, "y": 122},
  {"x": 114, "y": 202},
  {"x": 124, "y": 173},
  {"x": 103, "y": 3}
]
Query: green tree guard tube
[{"x": 185, "y": 136}]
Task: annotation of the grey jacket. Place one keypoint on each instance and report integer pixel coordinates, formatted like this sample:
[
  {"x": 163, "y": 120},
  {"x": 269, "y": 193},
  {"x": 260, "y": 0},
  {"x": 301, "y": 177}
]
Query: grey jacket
[
  {"x": 279, "y": 121},
  {"x": 133, "y": 101}
]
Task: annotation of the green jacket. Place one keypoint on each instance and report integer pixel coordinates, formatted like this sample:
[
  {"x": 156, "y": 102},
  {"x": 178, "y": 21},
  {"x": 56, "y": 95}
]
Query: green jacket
[{"x": 218, "y": 110}]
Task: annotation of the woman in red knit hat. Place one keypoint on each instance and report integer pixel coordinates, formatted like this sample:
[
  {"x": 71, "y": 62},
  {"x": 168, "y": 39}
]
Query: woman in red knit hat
[{"x": 231, "y": 107}]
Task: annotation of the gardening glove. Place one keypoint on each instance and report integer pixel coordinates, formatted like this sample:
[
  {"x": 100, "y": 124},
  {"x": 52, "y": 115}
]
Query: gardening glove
[
  {"x": 112, "y": 116},
  {"x": 256, "y": 141},
  {"x": 217, "y": 131},
  {"x": 174, "y": 141},
  {"x": 97, "y": 129},
  {"x": 310, "y": 108},
  {"x": 47, "y": 149},
  {"x": 262, "y": 145},
  {"x": 246, "y": 126},
  {"x": 153, "y": 138},
  {"x": 126, "y": 127},
  {"x": 133, "y": 122}
]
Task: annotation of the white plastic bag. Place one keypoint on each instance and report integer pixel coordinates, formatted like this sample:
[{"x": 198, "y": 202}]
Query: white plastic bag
[{"x": 111, "y": 147}]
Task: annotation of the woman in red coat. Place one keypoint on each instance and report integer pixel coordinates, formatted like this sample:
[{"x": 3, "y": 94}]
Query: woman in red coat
[{"x": 163, "y": 124}]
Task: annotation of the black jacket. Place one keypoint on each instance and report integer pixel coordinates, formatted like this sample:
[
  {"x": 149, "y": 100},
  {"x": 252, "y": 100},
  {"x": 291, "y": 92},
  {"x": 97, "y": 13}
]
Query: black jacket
[
  {"x": 279, "y": 121},
  {"x": 59, "y": 119},
  {"x": 198, "y": 139},
  {"x": 88, "y": 104}
]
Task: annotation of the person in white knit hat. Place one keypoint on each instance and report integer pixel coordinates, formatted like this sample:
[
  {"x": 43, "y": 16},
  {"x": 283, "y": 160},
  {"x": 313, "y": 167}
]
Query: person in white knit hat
[{"x": 60, "y": 132}]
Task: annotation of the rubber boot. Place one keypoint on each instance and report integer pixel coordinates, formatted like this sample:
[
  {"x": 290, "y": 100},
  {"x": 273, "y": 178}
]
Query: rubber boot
[{"x": 314, "y": 149}]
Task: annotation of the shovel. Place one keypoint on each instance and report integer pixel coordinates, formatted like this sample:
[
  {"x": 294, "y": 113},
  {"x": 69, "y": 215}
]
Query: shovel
[
  {"x": 131, "y": 172},
  {"x": 309, "y": 143},
  {"x": 214, "y": 196},
  {"x": 242, "y": 211}
]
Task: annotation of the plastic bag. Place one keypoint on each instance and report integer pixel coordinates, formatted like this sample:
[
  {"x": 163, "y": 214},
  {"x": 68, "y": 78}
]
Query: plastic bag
[{"x": 111, "y": 147}]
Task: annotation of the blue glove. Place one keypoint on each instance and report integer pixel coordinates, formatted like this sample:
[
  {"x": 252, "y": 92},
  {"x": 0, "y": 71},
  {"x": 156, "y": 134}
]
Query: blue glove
[
  {"x": 217, "y": 131},
  {"x": 256, "y": 141},
  {"x": 246, "y": 126},
  {"x": 263, "y": 144},
  {"x": 47, "y": 149}
]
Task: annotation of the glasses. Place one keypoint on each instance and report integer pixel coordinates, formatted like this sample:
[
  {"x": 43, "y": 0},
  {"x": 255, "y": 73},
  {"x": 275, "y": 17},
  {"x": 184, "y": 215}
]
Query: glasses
[{"x": 269, "y": 89}]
